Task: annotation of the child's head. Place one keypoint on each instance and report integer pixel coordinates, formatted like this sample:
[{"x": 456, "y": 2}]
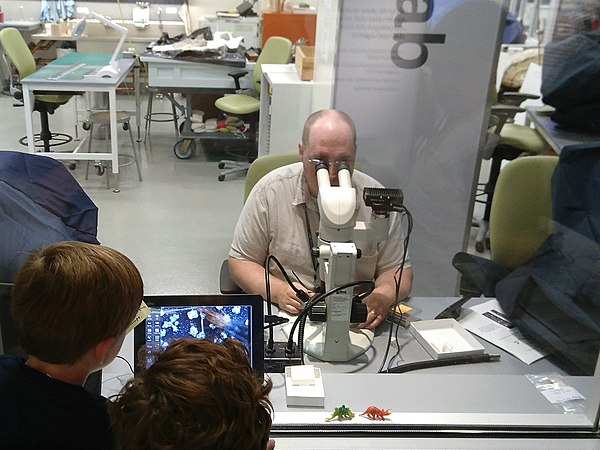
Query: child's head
[
  {"x": 69, "y": 296},
  {"x": 196, "y": 395}
]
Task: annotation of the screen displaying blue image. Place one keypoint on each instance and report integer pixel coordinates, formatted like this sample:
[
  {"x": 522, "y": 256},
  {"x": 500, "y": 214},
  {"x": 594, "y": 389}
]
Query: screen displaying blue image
[{"x": 216, "y": 323}]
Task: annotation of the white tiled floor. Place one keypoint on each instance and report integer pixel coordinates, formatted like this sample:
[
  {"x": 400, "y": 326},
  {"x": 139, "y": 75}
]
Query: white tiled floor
[{"x": 176, "y": 225}]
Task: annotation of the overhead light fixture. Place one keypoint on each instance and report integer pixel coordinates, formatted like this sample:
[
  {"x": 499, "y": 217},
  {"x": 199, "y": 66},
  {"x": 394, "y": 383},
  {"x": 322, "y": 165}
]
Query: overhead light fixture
[{"x": 112, "y": 69}]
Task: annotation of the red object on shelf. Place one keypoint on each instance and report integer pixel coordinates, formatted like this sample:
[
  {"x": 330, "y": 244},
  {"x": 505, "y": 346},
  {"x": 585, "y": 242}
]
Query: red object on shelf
[{"x": 289, "y": 25}]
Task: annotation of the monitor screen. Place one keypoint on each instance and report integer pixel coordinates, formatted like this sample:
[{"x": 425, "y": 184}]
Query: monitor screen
[{"x": 214, "y": 317}]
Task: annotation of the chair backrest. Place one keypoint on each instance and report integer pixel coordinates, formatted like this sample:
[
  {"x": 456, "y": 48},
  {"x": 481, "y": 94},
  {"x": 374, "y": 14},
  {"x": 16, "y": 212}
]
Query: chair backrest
[
  {"x": 40, "y": 203},
  {"x": 264, "y": 164},
  {"x": 17, "y": 51},
  {"x": 521, "y": 214},
  {"x": 277, "y": 50}
]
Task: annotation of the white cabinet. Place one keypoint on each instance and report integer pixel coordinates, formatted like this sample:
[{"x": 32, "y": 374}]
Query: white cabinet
[{"x": 285, "y": 103}]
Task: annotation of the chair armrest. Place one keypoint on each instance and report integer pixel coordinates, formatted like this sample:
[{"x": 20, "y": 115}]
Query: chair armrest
[
  {"x": 516, "y": 98},
  {"x": 226, "y": 283},
  {"x": 479, "y": 276},
  {"x": 506, "y": 109},
  {"x": 236, "y": 78},
  {"x": 500, "y": 114}
]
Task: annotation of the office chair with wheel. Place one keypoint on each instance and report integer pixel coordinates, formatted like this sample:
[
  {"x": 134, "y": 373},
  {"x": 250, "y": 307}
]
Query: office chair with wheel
[
  {"x": 258, "y": 169},
  {"x": 45, "y": 103},
  {"x": 276, "y": 51},
  {"x": 506, "y": 140},
  {"x": 520, "y": 221},
  {"x": 545, "y": 236}
]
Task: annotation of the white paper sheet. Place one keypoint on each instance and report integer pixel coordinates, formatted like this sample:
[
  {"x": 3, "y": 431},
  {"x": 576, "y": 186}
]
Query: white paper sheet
[{"x": 489, "y": 322}]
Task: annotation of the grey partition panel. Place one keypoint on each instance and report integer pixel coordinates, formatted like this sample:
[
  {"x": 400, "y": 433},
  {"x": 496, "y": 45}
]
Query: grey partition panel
[{"x": 417, "y": 83}]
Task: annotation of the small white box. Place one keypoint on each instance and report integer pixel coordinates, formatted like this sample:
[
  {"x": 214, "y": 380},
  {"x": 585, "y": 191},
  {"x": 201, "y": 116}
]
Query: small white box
[
  {"x": 445, "y": 338},
  {"x": 303, "y": 390}
]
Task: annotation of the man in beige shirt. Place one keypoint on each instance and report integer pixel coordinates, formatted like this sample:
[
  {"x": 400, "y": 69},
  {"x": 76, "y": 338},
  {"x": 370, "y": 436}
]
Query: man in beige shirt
[{"x": 281, "y": 218}]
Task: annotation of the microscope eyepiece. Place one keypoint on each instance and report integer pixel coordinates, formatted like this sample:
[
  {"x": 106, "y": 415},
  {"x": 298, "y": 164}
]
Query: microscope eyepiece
[
  {"x": 321, "y": 165},
  {"x": 340, "y": 165}
]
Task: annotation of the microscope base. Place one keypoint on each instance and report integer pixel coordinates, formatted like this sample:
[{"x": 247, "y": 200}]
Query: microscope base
[{"x": 314, "y": 342}]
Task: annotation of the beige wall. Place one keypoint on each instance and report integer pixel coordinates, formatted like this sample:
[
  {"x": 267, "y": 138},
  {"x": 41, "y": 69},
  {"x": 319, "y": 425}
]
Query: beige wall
[{"x": 29, "y": 9}]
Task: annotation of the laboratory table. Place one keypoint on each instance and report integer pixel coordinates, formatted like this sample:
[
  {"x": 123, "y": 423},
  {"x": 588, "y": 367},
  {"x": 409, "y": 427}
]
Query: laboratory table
[
  {"x": 174, "y": 75},
  {"x": 74, "y": 72},
  {"x": 447, "y": 401}
]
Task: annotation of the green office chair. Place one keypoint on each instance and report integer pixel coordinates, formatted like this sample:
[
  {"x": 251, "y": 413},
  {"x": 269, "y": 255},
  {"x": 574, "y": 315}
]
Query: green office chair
[
  {"x": 276, "y": 51},
  {"x": 520, "y": 221},
  {"x": 258, "y": 169},
  {"x": 45, "y": 103},
  {"x": 521, "y": 213},
  {"x": 506, "y": 141}
]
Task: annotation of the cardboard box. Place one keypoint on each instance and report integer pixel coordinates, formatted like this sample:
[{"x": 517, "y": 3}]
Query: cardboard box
[{"x": 305, "y": 62}]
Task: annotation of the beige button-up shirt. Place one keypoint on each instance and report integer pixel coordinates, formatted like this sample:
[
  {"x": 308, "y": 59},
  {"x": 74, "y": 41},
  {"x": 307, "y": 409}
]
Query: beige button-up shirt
[{"x": 274, "y": 221}]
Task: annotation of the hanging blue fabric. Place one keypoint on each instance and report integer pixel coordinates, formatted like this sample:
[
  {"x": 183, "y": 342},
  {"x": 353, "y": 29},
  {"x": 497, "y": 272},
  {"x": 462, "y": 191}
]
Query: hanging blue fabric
[
  {"x": 67, "y": 8},
  {"x": 55, "y": 10}
]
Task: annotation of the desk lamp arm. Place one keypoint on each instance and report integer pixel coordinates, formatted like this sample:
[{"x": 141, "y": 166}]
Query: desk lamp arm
[{"x": 112, "y": 69}]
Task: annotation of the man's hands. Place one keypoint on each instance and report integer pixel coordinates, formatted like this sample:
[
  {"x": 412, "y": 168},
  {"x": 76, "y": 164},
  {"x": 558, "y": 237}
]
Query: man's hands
[
  {"x": 384, "y": 296},
  {"x": 377, "y": 308},
  {"x": 250, "y": 276},
  {"x": 287, "y": 299}
]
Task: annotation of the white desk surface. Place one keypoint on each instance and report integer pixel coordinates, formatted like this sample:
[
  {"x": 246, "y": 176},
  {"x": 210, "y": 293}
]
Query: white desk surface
[
  {"x": 484, "y": 394},
  {"x": 39, "y": 79},
  {"x": 23, "y": 25},
  {"x": 282, "y": 74}
]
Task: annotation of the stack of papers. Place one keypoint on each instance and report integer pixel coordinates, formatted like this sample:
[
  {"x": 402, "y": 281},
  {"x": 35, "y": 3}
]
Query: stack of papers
[{"x": 489, "y": 322}]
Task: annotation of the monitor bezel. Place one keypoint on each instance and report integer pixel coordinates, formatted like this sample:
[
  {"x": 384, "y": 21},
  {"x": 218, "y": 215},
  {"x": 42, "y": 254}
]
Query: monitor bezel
[{"x": 256, "y": 319}]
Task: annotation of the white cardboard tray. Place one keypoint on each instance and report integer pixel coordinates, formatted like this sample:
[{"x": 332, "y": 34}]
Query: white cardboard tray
[{"x": 445, "y": 338}]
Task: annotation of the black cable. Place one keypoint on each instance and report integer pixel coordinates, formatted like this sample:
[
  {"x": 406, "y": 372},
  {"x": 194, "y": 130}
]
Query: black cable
[
  {"x": 128, "y": 364},
  {"x": 417, "y": 365},
  {"x": 301, "y": 328},
  {"x": 398, "y": 281},
  {"x": 270, "y": 341},
  {"x": 300, "y": 281},
  {"x": 299, "y": 293},
  {"x": 317, "y": 298}
]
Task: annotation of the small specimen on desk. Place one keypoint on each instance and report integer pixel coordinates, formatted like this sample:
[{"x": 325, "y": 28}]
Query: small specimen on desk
[
  {"x": 375, "y": 413},
  {"x": 341, "y": 413}
]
